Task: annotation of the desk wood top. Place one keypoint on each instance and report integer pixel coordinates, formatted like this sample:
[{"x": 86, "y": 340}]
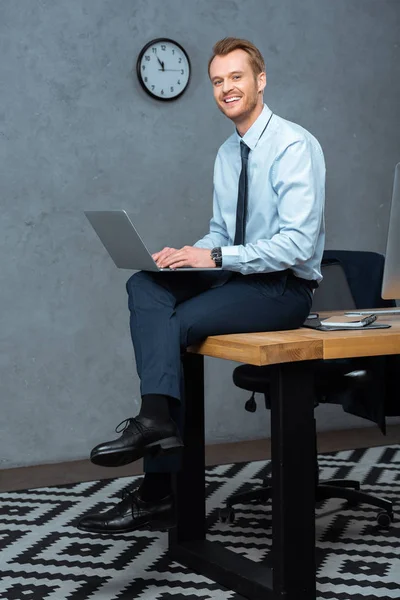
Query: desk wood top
[{"x": 304, "y": 344}]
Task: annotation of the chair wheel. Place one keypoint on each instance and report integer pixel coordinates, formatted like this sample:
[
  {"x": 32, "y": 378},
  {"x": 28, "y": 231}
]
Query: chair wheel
[
  {"x": 227, "y": 514},
  {"x": 385, "y": 519}
]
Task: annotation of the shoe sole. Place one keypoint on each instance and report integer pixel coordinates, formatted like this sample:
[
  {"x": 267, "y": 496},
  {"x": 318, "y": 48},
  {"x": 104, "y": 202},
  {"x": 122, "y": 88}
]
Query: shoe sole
[
  {"x": 124, "y": 457},
  {"x": 151, "y": 526}
]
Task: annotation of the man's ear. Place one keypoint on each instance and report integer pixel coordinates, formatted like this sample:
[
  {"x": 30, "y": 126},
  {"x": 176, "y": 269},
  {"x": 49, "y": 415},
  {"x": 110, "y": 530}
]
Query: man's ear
[{"x": 262, "y": 81}]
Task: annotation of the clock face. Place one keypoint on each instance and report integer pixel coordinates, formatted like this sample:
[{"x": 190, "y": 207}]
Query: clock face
[{"x": 163, "y": 69}]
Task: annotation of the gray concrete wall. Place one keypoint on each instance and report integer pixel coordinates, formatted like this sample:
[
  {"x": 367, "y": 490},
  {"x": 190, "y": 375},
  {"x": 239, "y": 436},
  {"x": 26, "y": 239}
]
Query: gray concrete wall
[{"x": 77, "y": 132}]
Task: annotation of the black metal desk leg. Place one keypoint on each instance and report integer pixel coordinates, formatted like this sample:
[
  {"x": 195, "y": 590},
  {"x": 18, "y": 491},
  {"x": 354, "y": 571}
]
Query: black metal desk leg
[
  {"x": 293, "y": 476},
  {"x": 189, "y": 483}
]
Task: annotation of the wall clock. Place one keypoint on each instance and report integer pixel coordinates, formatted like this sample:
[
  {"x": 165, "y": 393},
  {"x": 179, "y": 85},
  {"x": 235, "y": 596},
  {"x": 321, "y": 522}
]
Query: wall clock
[{"x": 163, "y": 69}]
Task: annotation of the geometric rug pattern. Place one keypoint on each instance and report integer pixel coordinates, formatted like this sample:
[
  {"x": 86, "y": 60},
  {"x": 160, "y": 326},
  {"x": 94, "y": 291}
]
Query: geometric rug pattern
[{"x": 44, "y": 557}]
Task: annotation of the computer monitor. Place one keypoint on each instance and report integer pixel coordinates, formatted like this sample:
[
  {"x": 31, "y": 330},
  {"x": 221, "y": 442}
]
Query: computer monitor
[{"x": 391, "y": 274}]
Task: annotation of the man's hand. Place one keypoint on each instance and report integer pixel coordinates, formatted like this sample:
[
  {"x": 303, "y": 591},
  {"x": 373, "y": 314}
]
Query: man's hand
[
  {"x": 161, "y": 256},
  {"x": 188, "y": 256}
]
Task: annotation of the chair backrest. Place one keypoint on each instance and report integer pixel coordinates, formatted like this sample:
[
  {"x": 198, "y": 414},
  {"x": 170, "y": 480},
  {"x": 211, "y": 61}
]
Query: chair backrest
[
  {"x": 334, "y": 291},
  {"x": 364, "y": 273}
]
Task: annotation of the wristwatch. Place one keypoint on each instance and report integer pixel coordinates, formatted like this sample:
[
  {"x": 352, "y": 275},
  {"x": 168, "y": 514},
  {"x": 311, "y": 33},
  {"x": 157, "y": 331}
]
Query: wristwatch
[{"x": 216, "y": 255}]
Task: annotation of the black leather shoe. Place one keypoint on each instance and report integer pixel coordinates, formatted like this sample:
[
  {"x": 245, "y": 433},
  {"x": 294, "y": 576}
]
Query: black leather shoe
[
  {"x": 130, "y": 514},
  {"x": 140, "y": 436}
]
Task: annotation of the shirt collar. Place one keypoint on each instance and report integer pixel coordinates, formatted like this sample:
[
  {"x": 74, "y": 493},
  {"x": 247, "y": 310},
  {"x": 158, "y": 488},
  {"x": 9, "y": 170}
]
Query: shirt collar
[{"x": 253, "y": 134}]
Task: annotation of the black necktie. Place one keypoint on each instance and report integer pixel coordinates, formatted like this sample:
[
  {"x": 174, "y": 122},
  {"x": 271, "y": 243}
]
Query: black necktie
[{"x": 241, "y": 208}]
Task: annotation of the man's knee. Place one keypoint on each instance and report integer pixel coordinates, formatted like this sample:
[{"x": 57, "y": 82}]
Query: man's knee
[{"x": 136, "y": 279}]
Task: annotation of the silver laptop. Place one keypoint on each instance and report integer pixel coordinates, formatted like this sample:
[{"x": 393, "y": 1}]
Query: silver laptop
[{"x": 123, "y": 243}]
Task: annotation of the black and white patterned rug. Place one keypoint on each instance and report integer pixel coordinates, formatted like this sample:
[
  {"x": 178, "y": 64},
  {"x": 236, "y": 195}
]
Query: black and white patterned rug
[{"x": 44, "y": 557}]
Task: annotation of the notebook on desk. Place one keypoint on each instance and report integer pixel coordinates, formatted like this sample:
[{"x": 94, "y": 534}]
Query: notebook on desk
[
  {"x": 349, "y": 322},
  {"x": 344, "y": 323}
]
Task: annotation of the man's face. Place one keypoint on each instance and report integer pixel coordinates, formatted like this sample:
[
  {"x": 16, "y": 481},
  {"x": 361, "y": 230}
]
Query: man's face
[{"x": 237, "y": 91}]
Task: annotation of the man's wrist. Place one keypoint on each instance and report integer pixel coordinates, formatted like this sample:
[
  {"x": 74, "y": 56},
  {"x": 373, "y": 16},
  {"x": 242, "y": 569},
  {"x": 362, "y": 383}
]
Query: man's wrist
[{"x": 216, "y": 256}]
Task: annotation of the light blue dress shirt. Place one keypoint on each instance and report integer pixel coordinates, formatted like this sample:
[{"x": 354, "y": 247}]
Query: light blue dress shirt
[{"x": 285, "y": 226}]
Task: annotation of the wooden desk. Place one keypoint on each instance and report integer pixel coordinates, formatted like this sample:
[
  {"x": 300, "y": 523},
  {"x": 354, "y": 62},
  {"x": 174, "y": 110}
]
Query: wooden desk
[{"x": 292, "y": 576}]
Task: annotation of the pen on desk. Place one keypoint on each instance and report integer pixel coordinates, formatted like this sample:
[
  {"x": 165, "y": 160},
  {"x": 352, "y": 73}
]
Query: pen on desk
[{"x": 368, "y": 320}]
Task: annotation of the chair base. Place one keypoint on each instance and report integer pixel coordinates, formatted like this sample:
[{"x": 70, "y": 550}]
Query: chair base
[{"x": 348, "y": 490}]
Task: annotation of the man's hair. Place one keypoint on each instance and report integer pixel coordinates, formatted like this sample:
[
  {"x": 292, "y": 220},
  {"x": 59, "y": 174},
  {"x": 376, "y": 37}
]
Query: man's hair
[{"x": 229, "y": 44}]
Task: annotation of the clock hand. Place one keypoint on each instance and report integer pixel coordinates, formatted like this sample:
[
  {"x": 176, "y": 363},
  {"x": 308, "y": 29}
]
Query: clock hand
[
  {"x": 169, "y": 69},
  {"x": 161, "y": 63}
]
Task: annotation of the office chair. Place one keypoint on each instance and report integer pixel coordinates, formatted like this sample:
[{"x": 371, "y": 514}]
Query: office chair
[{"x": 333, "y": 376}]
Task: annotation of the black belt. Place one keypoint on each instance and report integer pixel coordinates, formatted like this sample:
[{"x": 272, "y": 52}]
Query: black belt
[{"x": 311, "y": 283}]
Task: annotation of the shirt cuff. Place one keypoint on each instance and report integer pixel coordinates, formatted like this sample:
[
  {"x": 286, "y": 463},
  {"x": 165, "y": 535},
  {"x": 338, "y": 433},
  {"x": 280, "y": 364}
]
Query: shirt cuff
[{"x": 231, "y": 258}]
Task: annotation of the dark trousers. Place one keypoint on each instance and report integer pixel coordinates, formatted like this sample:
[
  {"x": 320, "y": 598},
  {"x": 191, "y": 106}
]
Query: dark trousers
[{"x": 171, "y": 311}]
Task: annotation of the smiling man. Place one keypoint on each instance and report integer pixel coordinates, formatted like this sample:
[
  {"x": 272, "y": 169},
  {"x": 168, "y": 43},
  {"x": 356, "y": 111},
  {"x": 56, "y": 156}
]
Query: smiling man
[{"x": 267, "y": 238}]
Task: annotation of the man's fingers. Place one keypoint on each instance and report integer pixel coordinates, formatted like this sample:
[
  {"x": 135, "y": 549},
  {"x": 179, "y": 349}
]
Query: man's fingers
[
  {"x": 159, "y": 257},
  {"x": 186, "y": 257},
  {"x": 178, "y": 264},
  {"x": 168, "y": 256},
  {"x": 178, "y": 257},
  {"x": 168, "y": 260}
]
